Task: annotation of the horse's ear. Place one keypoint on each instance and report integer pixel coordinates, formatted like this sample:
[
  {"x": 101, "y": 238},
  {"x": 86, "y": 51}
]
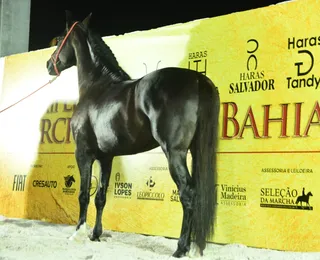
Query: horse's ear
[
  {"x": 86, "y": 20},
  {"x": 69, "y": 19},
  {"x": 53, "y": 42}
]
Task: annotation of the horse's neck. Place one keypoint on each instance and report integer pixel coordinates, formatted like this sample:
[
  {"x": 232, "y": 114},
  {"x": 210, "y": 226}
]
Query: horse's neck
[
  {"x": 90, "y": 69},
  {"x": 86, "y": 67}
]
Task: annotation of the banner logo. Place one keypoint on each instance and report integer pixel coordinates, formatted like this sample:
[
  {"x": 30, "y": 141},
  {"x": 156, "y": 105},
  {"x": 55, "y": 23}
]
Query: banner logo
[
  {"x": 150, "y": 194},
  {"x": 122, "y": 189},
  {"x": 231, "y": 195},
  {"x": 304, "y": 64},
  {"x": 68, "y": 182},
  {"x": 19, "y": 182},
  {"x": 252, "y": 80},
  {"x": 285, "y": 198}
]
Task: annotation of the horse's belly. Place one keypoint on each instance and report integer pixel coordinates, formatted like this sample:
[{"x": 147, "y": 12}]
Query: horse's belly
[{"x": 123, "y": 144}]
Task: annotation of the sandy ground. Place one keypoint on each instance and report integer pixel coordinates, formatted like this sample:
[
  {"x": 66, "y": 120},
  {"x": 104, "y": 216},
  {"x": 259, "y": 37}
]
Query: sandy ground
[{"x": 30, "y": 239}]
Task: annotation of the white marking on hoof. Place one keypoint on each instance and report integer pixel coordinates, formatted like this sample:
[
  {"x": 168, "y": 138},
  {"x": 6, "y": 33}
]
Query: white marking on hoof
[
  {"x": 194, "y": 251},
  {"x": 81, "y": 234},
  {"x": 2, "y": 218}
]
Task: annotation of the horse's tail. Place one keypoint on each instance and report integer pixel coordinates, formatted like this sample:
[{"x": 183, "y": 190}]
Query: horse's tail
[{"x": 203, "y": 150}]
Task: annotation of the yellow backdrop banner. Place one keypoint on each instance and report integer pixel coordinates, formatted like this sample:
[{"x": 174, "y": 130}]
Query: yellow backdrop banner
[{"x": 265, "y": 63}]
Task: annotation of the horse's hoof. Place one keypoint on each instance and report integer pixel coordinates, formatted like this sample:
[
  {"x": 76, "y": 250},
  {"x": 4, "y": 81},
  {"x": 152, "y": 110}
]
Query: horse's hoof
[
  {"x": 179, "y": 253},
  {"x": 95, "y": 239}
]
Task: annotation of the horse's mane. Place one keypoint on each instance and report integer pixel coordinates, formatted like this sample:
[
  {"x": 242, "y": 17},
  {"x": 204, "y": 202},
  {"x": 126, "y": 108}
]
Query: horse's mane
[{"x": 104, "y": 54}]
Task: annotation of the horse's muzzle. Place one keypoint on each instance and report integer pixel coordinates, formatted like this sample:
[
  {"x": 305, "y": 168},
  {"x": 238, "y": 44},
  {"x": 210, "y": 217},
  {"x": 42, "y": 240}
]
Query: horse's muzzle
[{"x": 50, "y": 68}]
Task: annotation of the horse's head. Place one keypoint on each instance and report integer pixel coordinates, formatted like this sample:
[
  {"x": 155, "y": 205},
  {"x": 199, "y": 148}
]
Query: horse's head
[{"x": 64, "y": 56}]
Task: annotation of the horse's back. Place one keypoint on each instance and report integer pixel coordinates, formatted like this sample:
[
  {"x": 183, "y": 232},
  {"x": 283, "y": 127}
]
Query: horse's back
[
  {"x": 169, "y": 79},
  {"x": 172, "y": 89}
]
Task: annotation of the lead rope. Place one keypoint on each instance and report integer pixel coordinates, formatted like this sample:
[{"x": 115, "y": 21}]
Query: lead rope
[{"x": 49, "y": 82}]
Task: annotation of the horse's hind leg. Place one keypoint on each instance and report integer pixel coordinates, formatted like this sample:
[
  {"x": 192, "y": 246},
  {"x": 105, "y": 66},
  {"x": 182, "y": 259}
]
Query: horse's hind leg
[
  {"x": 173, "y": 120},
  {"x": 180, "y": 175},
  {"x": 175, "y": 138},
  {"x": 100, "y": 199}
]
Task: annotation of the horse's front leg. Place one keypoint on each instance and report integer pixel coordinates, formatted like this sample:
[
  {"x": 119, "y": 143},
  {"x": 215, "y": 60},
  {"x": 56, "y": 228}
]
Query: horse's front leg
[
  {"x": 84, "y": 158},
  {"x": 84, "y": 161},
  {"x": 100, "y": 199}
]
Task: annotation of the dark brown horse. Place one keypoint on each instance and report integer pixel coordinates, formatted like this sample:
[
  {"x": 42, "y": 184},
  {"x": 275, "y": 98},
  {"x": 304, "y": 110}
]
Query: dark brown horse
[{"x": 174, "y": 108}]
